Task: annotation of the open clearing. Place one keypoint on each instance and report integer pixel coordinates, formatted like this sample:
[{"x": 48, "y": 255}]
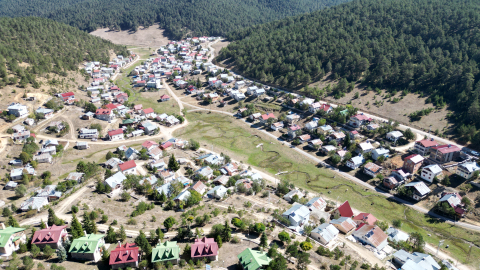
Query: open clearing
[
  {"x": 238, "y": 140},
  {"x": 145, "y": 37}
]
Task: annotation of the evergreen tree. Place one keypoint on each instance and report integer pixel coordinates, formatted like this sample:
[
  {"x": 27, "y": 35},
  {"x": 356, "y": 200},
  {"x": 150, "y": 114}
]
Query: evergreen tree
[
  {"x": 173, "y": 164},
  {"x": 35, "y": 251},
  {"x": 52, "y": 218},
  {"x": 227, "y": 232},
  {"x": 219, "y": 241},
  {"x": 122, "y": 234},
  {"x": 111, "y": 235},
  {"x": 42, "y": 224},
  {"x": 143, "y": 243},
  {"x": 86, "y": 224},
  {"x": 61, "y": 254},
  {"x": 13, "y": 222},
  {"x": 264, "y": 240},
  {"x": 76, "y": 229}
]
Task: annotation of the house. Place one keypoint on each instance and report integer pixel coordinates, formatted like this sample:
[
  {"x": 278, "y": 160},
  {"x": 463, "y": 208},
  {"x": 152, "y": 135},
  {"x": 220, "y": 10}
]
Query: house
[
  {"x": 264, "y": 118},
  {"x": 431, "y": 171},
  {"x": 277, "y": 126},
  {"x": 390, "y": 182},
  {"x": 221, "y": 180},
  {"x": 444, "y": 153},
  {"x": 148, "y": 113},
  {"x": 49, "y": 150},
  {"x": 44, "y": 113},
  {"x": 166, "y": 175},
  {"x": 11, "y": 238},
  {"x": 326, "y": 108},
  {"x": 359, "y": 120},
  {"x": 218, "y": 192},
  {"x": 67, "y": 96},
  {"x": 395, "y": 234},
  {"x": 124, "y": 256},
  {"x": 293, "y": 130},
  {"x": 229, "y": 169},
  {"x": 245, "y": 183},
  {"x": 164, "y": 98},
  {"x": 344, "y": 210},
  {"x": 327, "y": 148},
  {"x": 129, "y": 167},
  {"x": 167, "y": 251},
  {"x": 86, "y": 133},
  {"x": 138, "y": 108},
  {"x": 205, "y": 248},
  {"x": 412, "y": 163},
  {"x": 371, "y": 235},
  {"x": 87, "y": 248},
  {"x": 104, "y": 114},
  {"x": 365, "y": 218},
  {"x": 115, "y": 135},
  {"x": 467, "y": 169},
  {"x": 337, "y": 136},
  {"x": 376, "y": 153},
  {"x": 353, "y": 134},
  {"x": 159, "y": 164},
  {"x": 415, "y": 261},
  {"x": 289, "y": 196},
  {"x": 205, "y": 171},
  {"x": 155, "y": 153},
  {"x": 364, "y": 147},
  {"x": 401, "y": 175},
  {"x": 50, "y": 236},
  {"x": 314, "y": 107},
  {"x": 16, "y": 174},
  {"x": 199, "y": 187},
  {"x": 255, "y": 116},
  {"x": 394, "y": 135},
  {"x": 75, "y": 176},
  {"x": 325, "y": 129},
  {"x": 43, "y": 158},
  {"x": 29, "y": 121},
  {"x": 311, "y": 126},
  {"x": 239, "y": 84},
  {"x": 112, "y": 163},
  {"x": 292, "y": 118},
  {"x": 212, "y": 159},
  {"x": 423, "y": 147},
  {"x": 17, "y": 109},
  {"x": 344, "y": 224},
  {"x": 82, "y": 145},
  {"x": 50, "y": 193},
  {"x": 115, "y": 181},
  {"x": 355, "y": 162},
  {"x": 152, "y": 180},
  {"x": 182, "y": 196},
  {"x": 316, "y": 203},
  {"x": 418, "y": 190},
  {"x": 148, "y": 145},
  {"x": 10, "y": 185},
  {"x": 251, "y": 259},
  {"x": 341, "y": 154},
  {"x": 372, "y": 169},
  {"x": 315, "y": 144},
  {"x": 325, "y": 233},
  {"x": 304, "y": 138},
  {"x": 451, "y": 202},
  {"x": 21, "y": 136},
  {"x": 372, "y": 126},
  {"x": 34, "y": 203},
  {"x": 298, "y": 215}
]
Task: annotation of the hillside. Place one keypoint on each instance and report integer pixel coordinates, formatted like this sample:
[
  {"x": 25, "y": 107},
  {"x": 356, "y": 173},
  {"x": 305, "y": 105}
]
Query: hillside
[
  {"x": 31, "y": 47},
  {"x": 206, "y": 17},
  {"x": 424, "y": 46}
]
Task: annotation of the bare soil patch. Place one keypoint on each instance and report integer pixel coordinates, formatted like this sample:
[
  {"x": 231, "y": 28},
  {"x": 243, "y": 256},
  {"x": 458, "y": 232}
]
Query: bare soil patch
[{"x": 152, "y": 36}]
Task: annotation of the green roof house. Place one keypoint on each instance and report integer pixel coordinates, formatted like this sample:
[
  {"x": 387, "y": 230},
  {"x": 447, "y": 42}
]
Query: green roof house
[
  {"x": 88, "y": 247},
  {"x": 251, "y": 259},
  {"x": 10, "y": 239},
  {"x": 168, "y": 251}
]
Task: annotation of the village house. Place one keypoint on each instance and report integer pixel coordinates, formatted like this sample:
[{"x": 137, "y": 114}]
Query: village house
[
  {"x": 115, "y": 135},
  {"x": 423, "y": 147},
  {"x": 67, "y": 96},
  {"x": 44, "y": 113},
  {"x": 444, "y": 153},
  {"x": 129, "y": 167},
  {"x": 82, "y": 145},
  {"x": 115, "y": 181},
  {"x": 148, "y": 145},
  {"x": 418, "y": 190},
  {"x": 327, "y": 148},
  {"x": 344, "y": 210},
  {"x": 218, "y": 192},
  {"x": 451, "y": 202},
  {"x": 21, "y": 136},
  {"x": 43, "y": 158},
  {"x": 29, "y": 121},
  {"x": 413, "y": 261},
  {"x": 311, "y": 126},
  {"x": 412, "y": 163},
  {"x": 264, "y": 118},
  {"x": 34, "y": 203},
  {"x": 401, "y": 175},
  {"x": 372, "y": 235},
  {"x": 390, "y": 182},
  {"x": 17, "y": 109},
  {"x": 372, "y": 169},
  {"x": 293, "y": 130},
  {"x": 289, "y": 196},
  {"x": 205, "y": 248},
  {"x": 167, "y": 251},
  {"x": 51, "y": 236},
  {"x": 50, "y": 193},
  {"x": 316, "y": 204},
  {"x": 11, "y": 238},
  {"x": 205, "y": 171},
  {"x": 75, "y": 176},
  {"x": 148, "y": 113},
  {"x": 394, "y": 135},
  {"x": 251, "y": 259},
  {"x": 364, "y": 147},
  {"x": 292, "y": 118},
  {"x": 325, "y": 129},
  {"x": 365, "y": 218},
  {"x": 88, "y": 133},
  {"x": 355, "y": 162},
  {"x": 344, "y": 224},
  {"x": 325, "y": 233},
  {"x": 182, "y": 196},
  {"x": 395, "y": 234},
  {"x": 337, "y": 136},
  {"x": 229, "y": 169},
  {"x": 304, "y": 138},
  {"x": 315, "y": 144},
  {"x": 467, "y": 169},
  {"x": 276, "y": 126},
  {"x": 221, "y": 180},
  {"x": 152, "y": 180},
  {"x": 166, "y": 175},
  {"x": 359, "y": 120},
  {"x": 155, "y": 153},
  {"x": 298, "y": 215},
  {"x": 314, "y": 107},
  {"x": 353, "y": 134},
  {"x": 199, "y": 187},
  {"x": 88, "y": 247},
  {"x": 10, "y": 185},
  {"x": 164, "y": 98},
  {"x": 376, "y": 153},
  {"x": 255, "y": 116},
  {"x": 104, "y": 114},
  {"x": 124, "y": 256},
  {"x": 430, "y": 172}
]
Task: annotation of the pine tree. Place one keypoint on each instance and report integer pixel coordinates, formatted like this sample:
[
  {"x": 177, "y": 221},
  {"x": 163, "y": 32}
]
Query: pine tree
[
  {"x": 227, "y": 232},
  {"x": 219, "y": 241},
  {"x": 86, "y": 223},
  {"x": 122, "y": 234},
  {"x": 143, "y": 243},
  {"x": 42, "y": 224},
  {"x": 173, "y": 164},
  {"x": 61, "y": 254},
  {"x": 76, "y": 228},
  {"x": 52, "y": 218},
  {"x": 111, "y": 236},
  {"x": 264, "y": 240},
  {"x": 93, "y": 226},
  {"x": 13, "y": 222}
]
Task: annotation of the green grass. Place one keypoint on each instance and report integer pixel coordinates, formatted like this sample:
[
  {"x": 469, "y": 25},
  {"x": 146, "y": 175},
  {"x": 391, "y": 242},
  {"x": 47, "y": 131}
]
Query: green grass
[{"x": 229, "y": 135}]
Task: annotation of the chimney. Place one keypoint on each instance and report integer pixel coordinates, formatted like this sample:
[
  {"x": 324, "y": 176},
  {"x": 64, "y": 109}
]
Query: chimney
[
  {"x": 85, "y": 233},
  {"x": 119, "y": 244},
  {"x": 2, "y": 226}
]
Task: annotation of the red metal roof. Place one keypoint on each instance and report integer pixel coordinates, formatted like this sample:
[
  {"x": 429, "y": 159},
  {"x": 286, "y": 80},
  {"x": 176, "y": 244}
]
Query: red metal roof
[
  {"x": 345, "y": 210},
  {"x": 115, "y": 132},
  {"x": 446, "y": 148},
  {"x": 147, "y": 111},
  {"x": 165, "y": 145},
  {"x": 69, "y": 94},
  {"x": 366, "y": 218},
  {"x": 48, "y": 235},
  {"x": 267, "y": 116},
  {"x": 165, "y": 97},
  {"x": 138, "y": 107},
  {"x": 127, "y": 165},
  {"x": 103, "y": 111},
  {"x": 427, "y": 143},
  {"x": 204, "y": 247},
  {"x": 111, "y": 106},
  {"x": 362, "y": 117},
  {"x": 124, "y": 254},
  {"x": 148, "y": 144}
]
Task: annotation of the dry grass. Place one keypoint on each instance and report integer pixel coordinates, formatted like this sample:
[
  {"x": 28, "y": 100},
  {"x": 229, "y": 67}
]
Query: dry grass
[{"x": 145, "y": 37}]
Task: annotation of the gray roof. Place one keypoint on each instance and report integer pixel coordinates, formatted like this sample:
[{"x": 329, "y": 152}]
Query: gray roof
[
  {"x": 131, "y": 151},
  {"x": 396, "y": 235},
  {"x": 16, "y": 172},
  {"x": 35, "y": 203},
  {"x": 297, "y": 212},
  {"x": 11, "y": 184},
  {"x": 113, "y": 162},
  {"x": 416, "y": 261},
  {"x": 184, "y": 180},
  {"x": 420, "y": 187},
  {"x": 204, "y": 171},
  {"x": 47, "y": 191},
  {"x": 75, "y": 176},
  {"x": 434, "y": 168},
  {"x": 357, "y": 160},
  {"x": 221, "y": 191},
  {"x": 470, "y": 166},
  {"x": 152, "y": 179},
  {"x": 183, "y": 196},
  {"x": 116, "y": 179},
  {"x": 165, "y": 189},
  {"x": 326, "y": 231}
]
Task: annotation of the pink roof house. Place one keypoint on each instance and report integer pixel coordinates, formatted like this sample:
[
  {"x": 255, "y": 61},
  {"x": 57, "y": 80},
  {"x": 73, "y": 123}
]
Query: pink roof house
[{"x": 204, "y": 248}]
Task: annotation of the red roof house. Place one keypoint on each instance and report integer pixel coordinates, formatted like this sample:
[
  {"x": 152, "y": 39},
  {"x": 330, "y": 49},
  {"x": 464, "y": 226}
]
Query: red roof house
[
  {"x": 166, "y": 145},
  {"x": 68, "y": 95},
  {"x": 124, "y": 256},
  {"x": 115, "y": 132},
  {"x": 165, "y": 98},
  {"x": 147, "y": 111},
  {"x": 149, "y": 144},
  {"x": 126, "y": 166},
  {"x": 365, "y": 218},
  {"x": 267, "y": 116},
  {"x": 205, "y": 248},
  {"x": 51, "y": 236},
  {"x": 111, "y": 106},
  {"x": 138, "y": 107},
  {"x": 344, "y": 210}
]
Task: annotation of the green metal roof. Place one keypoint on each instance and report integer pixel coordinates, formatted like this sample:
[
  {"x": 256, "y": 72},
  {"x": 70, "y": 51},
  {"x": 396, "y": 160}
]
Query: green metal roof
[
  {"x": 86, "y": 244},
  {"x": 168, "y": 250},
  {"x": 253, "y": 259},
  {"x": 7, "y": 233},
  {"x": 129, "y": 121}
]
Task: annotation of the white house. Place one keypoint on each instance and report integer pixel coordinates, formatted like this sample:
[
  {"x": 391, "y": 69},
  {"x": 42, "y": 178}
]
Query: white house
[
  {"x": 376, "y": 153},
  {"x": 129, "y": 167},
  {"x": 371, "y": 235},
  {"x": 277, "y": 126},
  {"x": 115, "y": 181},
  {"x": 325, "y": 233},
  {"x": 431, "y": 171},
  {"x": 218, "y": 192},
  {"x": 17, "y": 109},
  {"x": 86, "y": 133},
  {"x": 298, "y": 215},
  {"x": 394, "y": 135},
  {"x": 355, "y": 162},
  {"x": 466, "y": 170},
  {"x": 289, "y": 196},
  {"x": 365, "y": 147},
  {"x": 115, "y": 135},
  {"x": 311, "y": 126}
]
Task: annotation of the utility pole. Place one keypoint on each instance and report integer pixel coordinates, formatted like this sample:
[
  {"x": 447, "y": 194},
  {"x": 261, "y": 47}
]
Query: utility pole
[{"x": 438, "y": 247}]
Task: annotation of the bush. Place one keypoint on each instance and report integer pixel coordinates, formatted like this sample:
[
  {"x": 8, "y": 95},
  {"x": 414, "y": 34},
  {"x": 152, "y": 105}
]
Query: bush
[
  {"x": 235, "y": 240},
  {"x": 132, "y": 221}
]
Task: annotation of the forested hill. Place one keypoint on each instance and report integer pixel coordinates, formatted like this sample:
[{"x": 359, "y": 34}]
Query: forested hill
[
  {"x": 198, "y": 17},
  {"x": 418, "y": 45},
  {"x": 47, "y": 46}
]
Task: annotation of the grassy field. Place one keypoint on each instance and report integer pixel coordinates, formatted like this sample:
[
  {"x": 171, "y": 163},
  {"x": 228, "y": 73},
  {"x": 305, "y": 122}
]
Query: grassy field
[{"x": 239, "y": 140}]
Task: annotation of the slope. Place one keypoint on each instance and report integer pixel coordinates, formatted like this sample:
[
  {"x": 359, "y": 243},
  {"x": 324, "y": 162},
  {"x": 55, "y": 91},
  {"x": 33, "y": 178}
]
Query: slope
[
  {"x": 46, "y": 46},
  {"x": 212, "y": 17},
  {"x": 424, "y": 46}
]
